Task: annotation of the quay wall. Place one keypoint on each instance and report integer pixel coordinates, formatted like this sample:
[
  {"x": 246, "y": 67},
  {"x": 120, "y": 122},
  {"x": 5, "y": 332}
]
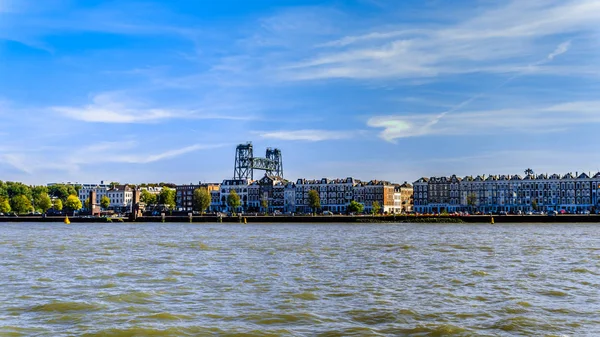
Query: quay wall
[{"x": 563, "y": 218}]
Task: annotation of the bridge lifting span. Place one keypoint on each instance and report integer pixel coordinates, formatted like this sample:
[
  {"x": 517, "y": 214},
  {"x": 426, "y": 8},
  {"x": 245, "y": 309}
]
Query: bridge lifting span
[{"x": 246, "y": 163}]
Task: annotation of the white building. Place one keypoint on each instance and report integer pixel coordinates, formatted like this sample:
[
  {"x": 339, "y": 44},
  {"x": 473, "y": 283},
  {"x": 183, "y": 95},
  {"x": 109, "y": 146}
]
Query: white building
[
  {"x": 241, "y": 188},
  {"x": 85, "y": 189},
  {"x": 120, "y": 197}
]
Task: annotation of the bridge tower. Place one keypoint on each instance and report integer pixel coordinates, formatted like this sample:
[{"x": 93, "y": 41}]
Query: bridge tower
[
  {"x": 244, "y": 158},
  {"x": 246, "y": 163},
  {"x": 274, "y": 155}
]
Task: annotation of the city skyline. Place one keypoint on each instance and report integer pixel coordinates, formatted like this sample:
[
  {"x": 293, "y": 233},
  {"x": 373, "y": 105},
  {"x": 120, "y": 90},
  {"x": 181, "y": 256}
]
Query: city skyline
[{"x": 371, "y": 89}]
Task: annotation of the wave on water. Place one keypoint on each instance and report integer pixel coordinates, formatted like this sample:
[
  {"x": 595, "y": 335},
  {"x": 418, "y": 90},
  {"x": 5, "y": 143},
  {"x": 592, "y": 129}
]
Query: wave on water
[
  {"x": 62, "y": 307},
  {"x": 167, "y": 316},
  {"x": 185, "y": 332},
  {"x": 137, "y": 297}
]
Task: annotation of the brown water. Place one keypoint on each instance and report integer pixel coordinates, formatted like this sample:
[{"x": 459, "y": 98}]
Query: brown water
[{"x": 299, "y": 280}]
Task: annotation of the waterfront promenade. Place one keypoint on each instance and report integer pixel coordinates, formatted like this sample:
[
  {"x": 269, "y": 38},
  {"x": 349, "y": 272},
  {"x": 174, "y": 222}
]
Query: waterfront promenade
[{"x": 564, "y": 218}]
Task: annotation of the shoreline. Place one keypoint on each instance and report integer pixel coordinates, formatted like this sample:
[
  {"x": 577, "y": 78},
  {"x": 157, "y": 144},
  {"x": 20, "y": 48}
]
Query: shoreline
[{"x": 563, "y": 218}]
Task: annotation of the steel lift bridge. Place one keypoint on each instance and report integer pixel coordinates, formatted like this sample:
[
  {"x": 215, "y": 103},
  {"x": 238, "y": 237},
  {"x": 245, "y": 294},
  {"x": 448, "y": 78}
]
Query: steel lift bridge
[{"x": 246, "y": 163}]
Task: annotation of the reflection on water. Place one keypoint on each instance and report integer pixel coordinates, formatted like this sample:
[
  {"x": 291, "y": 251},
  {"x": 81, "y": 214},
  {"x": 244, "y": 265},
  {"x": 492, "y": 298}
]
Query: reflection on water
[{"x": 299, "y": 280}]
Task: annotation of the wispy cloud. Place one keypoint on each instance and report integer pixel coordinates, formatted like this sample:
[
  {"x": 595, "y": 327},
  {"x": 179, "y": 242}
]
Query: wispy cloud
[
  {"x": 499, "y": 37},
  {"x": 307, "y": 135},
  {"x": 116, "y": 108},
  {"x": 118, "y": 152},
  {"x": 524, "y": 119}
]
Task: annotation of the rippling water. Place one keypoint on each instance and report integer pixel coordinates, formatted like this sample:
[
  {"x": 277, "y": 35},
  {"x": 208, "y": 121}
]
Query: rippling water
[{"x": 299, "y": 280}]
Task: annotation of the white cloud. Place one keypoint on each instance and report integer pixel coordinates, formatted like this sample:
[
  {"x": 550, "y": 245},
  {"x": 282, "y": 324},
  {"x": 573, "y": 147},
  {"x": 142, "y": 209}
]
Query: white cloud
[
  {"x": 561, "y": 49},
  {"x": 523, "y": 119},
  {"x": 307, "y": 135},
  {"x": 119, "y": 152},
  {"x": 114, "y": 107},
  {"x": 502, "y": 38},
  {"x": 128, "y": 152}
]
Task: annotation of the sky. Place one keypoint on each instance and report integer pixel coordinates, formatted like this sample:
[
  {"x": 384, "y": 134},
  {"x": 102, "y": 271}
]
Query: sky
[{"x": 157, "y": 90}]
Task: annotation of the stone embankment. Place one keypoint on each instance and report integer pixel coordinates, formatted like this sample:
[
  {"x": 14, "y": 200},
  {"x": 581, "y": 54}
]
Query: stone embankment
[{"x": 564, "y": 218}]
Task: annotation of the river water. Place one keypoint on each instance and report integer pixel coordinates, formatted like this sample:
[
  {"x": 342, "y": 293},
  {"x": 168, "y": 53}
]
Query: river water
[{"x": 299, "y": 280}]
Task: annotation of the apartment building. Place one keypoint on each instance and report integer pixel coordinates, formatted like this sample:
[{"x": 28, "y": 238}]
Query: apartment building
[{"x": 573, "y": 193}]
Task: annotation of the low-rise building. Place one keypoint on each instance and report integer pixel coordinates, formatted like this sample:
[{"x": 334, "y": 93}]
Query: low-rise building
[
  {"x": 184, "y": 194},
  {"x": 335, "y": 194}
]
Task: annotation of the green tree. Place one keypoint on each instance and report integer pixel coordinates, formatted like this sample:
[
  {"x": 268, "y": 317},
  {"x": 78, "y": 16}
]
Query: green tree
[
  {"x": 167, "y": 197},
  {"x": 233, "y": 200},
  {"x": 73, "y": 203},
  {"x": 43, "y": 202},
  {"x": 4, "y": 206},
  {"x": 62, "y": 191},
  {"x": 201, "y": 199},
  {"x": 148, "y": 198},
  {"x": 534, "y": 205},
  {"x": 356, "y": 207},
  {"x": 104, "y": 202},
  {"x": 38, "y": 191},
  {"x": 14, "y": 189},
  {"x": 265, "y": 204},
  {"x": 3, "y": 192},
  {"x": 57, "y": 204},
  {"x": 375, "y": 207},
  {"x": 471, "y": 200},
  {"x": 314, "y": 201},
  {"x": 20, "y": 204},
  {"x": 87, "y": 204}
]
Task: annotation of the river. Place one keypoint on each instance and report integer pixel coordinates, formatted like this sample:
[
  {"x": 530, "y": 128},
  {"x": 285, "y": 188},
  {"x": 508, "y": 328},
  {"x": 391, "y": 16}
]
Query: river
[{"x": 299, "y": 280}]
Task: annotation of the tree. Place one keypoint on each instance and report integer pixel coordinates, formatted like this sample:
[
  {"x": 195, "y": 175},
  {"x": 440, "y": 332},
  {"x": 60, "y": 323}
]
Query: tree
[
  {"x": 167, "y": 197},
  {"x": 4, "y": 206},
  {"x": 265, "y": 204},
  {"x": 148, "y": 198},
  {"x": 471, "y": 200},
  {"x": 57, "y": 205},
  {"x": 534, "y": 205},
  {"x": 314, "y": 201},
  {"x": 87, "y": 204},
  {"x": 233, "y": 200},
  {"x": 104, "y": 202},
  {"x": 73, "y": 203},
  {"x": 356, "y": 207},
  {"x": 375, "y": 207},
  {"x": 38, "y": 191},
  {"x": 14, "y": 189},
  {"x": 20, "y": 204},
  {"x": 62, "y": 191},
  {"x": 201, "y": 199},
  {"x": 43, "y": 202}
]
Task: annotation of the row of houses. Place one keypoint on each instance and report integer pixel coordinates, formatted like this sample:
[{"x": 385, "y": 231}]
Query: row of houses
[
  {"x": 120, "y": 196},
  {"x": 579, "y": 192},
  {"x": 274, "y": 194},
  {"x": 573, "y": 193}
]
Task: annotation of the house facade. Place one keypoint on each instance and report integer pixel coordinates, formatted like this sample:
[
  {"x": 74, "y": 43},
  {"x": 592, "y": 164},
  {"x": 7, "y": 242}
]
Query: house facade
[{"x": 573, "y": 193}]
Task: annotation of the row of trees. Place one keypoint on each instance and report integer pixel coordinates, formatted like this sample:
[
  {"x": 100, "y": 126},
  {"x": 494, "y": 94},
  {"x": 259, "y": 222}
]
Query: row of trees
[
  {"x": 165, "y": 197},
  {"x": 20, "y": 204},
  {"x": 20, "y": 198}
]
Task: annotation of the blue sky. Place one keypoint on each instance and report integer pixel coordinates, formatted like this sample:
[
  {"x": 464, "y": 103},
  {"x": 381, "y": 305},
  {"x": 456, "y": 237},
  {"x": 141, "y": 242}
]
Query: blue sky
[{"x": 137, "y": 91}]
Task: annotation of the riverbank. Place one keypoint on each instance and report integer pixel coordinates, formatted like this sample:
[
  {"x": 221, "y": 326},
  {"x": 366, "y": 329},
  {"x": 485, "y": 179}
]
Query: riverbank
[{"x": 564, "y": 218}]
